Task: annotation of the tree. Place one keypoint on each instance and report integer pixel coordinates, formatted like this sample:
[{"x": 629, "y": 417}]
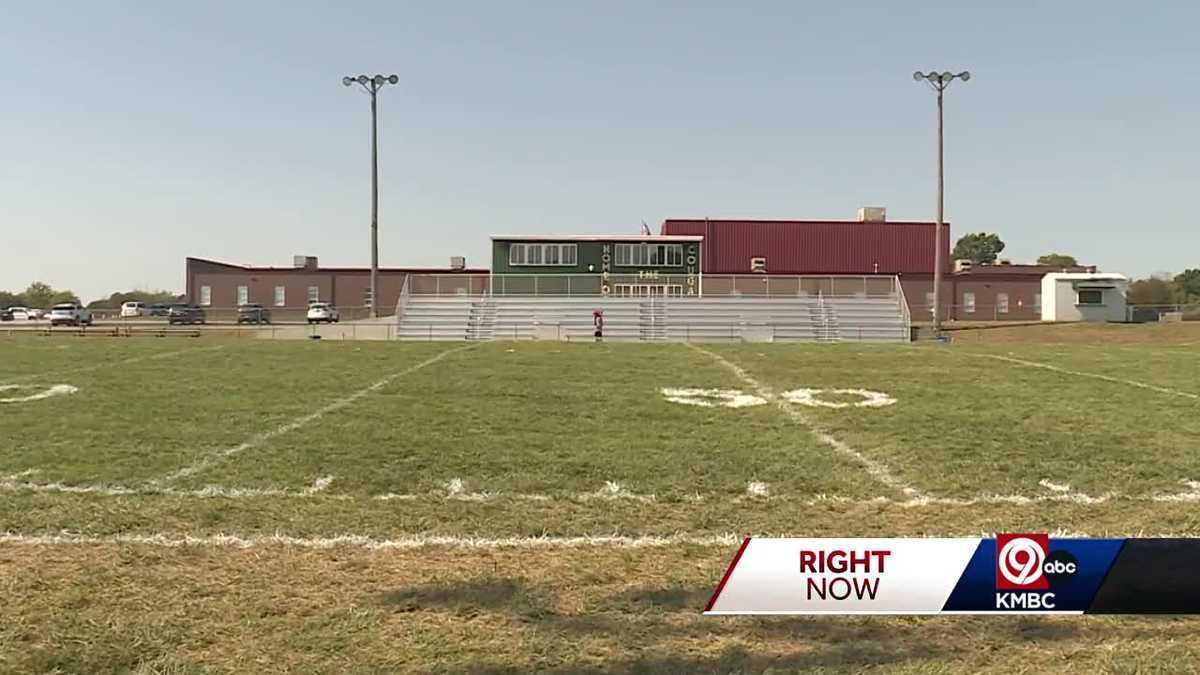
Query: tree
[
  {"x": 979, "y": 248},
  {"x": 1187, "y": 284},
  {"x": 1150, "y": 291},
  {"x": 149, "y": 297},
  {"x": 1058, "y": 260},
  {"x": 39, "y": 295},
  {"x": 11, "y": 299}
]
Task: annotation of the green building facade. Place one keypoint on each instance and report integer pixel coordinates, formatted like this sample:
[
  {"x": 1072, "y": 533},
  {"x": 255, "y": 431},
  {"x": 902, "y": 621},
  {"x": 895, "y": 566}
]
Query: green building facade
[{"x": 619, "y": 266}]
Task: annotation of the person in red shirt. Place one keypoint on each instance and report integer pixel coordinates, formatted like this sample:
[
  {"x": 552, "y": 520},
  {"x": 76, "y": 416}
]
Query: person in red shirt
[{"x": 598, "y": 322}]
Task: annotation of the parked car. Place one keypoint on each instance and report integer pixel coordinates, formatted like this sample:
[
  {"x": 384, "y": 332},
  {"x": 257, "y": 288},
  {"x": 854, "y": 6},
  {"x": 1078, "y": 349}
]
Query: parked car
[
  {"x": 322, "y": 311},
  {"x": 35, "y": 314},
  {"x": 5, "y": 315},
  {"x": 186, "y": 314},
  {"x": 19, "y": 313},
  {"x": 253, "y": 313},
  {"x": 159, "y": 309},
  {"x": 133, "y": 309},
  {"x": 70, "y": 314}
]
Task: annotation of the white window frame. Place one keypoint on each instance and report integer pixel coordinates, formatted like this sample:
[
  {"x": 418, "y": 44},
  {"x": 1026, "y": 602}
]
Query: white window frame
[
  {"x": 1002, "y": 303},
  {"x": 314, "y": 294},
  {"x": 280, "y": 296},
  {"x": 205, "y": 296},
  {"x": 243, "y": 295},
  {"x": 368, "y": 299},
  {"x": 649, "y": 254},
  {"x": 968, "y": 302},
  {"x": 1079, "y": 297},
  {"x": 543, "y": 255}
]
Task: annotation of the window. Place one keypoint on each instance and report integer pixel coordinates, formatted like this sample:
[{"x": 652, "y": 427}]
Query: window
[
  {"x": 367, "y": 297},
  {"x": 758, "y": 264},
  {"x": 1090, "y": 296},
  {"x": 206, "y": 295},
  {"x": 1002, "y": 303},
  {"x": 542, "y": 254},
  {"x": 280, "y": 296},
  {"x": 929, "y": 299},
  {"x": 1037, "y": 302},
  {"x": 969, "y": 303},
  {"x": 650, "y": 255},
  {"x": 243, "y": 295},
  {"x": 314, "y": 294}
]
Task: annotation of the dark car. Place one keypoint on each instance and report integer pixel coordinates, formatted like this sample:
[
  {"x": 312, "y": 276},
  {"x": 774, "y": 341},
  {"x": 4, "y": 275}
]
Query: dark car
[
  {"x": 5, "y": 315},
  {"x": 185, "y": 314},
  {"x": 253, "y": 313},
  {"x": 160, "y": 309}
]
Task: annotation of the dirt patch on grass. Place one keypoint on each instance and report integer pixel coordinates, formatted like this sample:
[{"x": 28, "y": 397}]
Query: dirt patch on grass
[{"x": 121, "y": 608}]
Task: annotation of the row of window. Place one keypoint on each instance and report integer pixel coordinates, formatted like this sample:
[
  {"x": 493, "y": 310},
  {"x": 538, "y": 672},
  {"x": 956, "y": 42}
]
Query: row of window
[
  {"x": 968, "y": 302},
  {"x": 542, "y": 254},
  {"x": 243, "y": 295},
  {"x": 650, "y": 255},
  {"x": 1083, "y": 296},
  {"x": 628, "y": 255}
]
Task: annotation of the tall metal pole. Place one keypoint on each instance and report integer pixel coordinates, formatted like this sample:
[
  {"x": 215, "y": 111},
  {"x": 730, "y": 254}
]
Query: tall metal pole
[
  {"x": 375, "y": 206},
  {"x": 939, "y": 82},
  {"x": 372, "y": 85},
  {"x": 937, "y": 230}
]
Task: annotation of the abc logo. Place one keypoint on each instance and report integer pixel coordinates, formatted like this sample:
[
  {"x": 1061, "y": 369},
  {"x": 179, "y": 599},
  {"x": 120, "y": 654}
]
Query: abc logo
[
  {"x": 1059, "y": 567},
  {"x": 1024, "y": 562}
]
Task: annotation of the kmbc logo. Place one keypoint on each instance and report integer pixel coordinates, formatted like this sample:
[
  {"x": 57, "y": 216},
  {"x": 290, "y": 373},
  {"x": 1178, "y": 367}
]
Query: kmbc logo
[{"x": 1021, "y": 562}]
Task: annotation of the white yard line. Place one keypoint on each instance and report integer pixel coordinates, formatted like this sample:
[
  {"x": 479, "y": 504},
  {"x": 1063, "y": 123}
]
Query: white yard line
[
  {"x": 1096, "y": 376},
  {"x": 876, "y": 469},
  {"x": 211, "y": 459},
  {"x": 454, "y": 490},
  {"x": 415, "y": 541},
  {"x": 423, "y": 541},
  {"x": 14, "y": 484},
  {"x": 113, "y": 364}
]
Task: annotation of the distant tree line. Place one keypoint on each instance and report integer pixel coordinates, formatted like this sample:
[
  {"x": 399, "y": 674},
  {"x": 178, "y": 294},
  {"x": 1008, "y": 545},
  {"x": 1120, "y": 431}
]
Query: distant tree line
[
  {"x": 1158, "y": 289},
  {"x": 41, "y": 295}
]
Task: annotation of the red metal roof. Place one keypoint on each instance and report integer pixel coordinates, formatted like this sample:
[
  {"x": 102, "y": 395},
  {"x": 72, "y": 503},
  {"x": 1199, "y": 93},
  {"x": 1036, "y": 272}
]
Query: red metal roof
[{"x": 816, "y": 246}]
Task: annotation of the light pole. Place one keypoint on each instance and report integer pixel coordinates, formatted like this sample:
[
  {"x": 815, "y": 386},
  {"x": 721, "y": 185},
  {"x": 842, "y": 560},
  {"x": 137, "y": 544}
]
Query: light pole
[
  {"x": 939, "y": 82},
  {"x": 372, "y": 85}
]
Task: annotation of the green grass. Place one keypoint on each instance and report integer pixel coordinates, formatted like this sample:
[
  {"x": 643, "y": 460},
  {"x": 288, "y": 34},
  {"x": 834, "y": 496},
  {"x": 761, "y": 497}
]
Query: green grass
[{"x": 512, "y": 440}]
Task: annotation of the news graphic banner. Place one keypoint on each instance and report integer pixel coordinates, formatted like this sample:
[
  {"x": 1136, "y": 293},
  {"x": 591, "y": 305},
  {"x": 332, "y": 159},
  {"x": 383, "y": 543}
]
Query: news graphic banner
[{"x": 1010, "y": 574}]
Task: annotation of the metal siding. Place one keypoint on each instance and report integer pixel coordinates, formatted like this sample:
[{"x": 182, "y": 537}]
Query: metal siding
[{"x": 815, "y": 247}]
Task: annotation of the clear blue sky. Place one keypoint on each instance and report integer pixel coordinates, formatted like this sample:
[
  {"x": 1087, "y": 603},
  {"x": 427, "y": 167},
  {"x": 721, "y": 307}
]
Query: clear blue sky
[{"x": 135, "y": 133}]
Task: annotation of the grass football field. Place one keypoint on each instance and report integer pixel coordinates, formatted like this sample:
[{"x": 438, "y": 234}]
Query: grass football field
[{"x": 222, "y": 505}]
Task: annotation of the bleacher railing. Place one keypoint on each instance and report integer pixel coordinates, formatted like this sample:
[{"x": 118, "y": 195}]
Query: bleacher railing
[{"x": 651, "y": 285}]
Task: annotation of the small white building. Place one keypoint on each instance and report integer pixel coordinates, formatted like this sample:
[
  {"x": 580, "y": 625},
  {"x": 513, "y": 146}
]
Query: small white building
[{"x": 1084, "y": 296}]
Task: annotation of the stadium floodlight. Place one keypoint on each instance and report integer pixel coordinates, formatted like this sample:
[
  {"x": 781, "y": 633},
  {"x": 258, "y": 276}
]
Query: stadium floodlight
[
  {"x": 372, "y": 85},
  {"x": 939, "y": 82}
]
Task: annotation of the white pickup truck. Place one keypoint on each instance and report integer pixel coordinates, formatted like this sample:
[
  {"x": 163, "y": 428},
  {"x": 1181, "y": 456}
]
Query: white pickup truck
[{"x": 70, "y": 314}]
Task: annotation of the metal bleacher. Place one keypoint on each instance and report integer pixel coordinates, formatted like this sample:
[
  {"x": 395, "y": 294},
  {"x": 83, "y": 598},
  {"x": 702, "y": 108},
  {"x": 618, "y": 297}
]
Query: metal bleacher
[{"x": 800, "y": 318}]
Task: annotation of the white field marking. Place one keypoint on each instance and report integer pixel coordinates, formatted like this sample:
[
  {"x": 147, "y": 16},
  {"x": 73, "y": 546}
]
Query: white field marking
[
  {"x": 708, "y": 398},
  {"x": 1057, "y": 487},
  {"x": 611, "y": 490},
  {"x": 1097, "y": 376},
  {"x": 415, "y": 541},
  {"x": 870, "y": 399},
  {"x": 113, "y": 364},
  {"x": 422, "y": 541},
  {"x": 876, "y": 470},
  {"x": 211, "y": 459},
  {"x": 13, "y": 484},
  {"x": 46, "y": 392}
]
